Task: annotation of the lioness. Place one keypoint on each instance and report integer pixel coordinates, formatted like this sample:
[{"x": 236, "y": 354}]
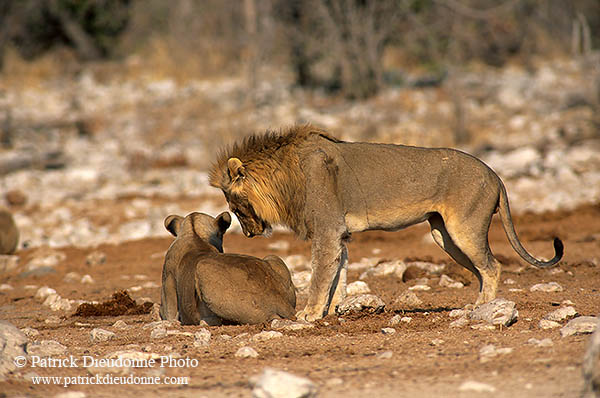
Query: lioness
[
  {"x": 324, "y": 189},
  {"x": 9, "y": 234},
  {"x": 200, "y": 282}
]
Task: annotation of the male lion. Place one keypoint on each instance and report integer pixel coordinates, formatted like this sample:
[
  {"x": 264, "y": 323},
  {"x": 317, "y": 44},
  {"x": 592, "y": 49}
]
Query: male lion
[
  {"x": 324, "y": 189},
  {"x": 9, "y": 234},
  {"x": 200, "y": 282}
]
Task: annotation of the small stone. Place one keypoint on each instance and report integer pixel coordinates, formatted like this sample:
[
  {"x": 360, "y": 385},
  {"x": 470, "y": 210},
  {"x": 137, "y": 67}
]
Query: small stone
[
  {"x": 5, "y": 287},
  {"x": 446, "y": 281},
  {"x": 335, "y": 381},
  {"x": 396, "y": 319},
  {"x": 408, "y": 300},
  {"x": 388, "y": 331},
  {"x": 561, "y": 314},
  {"x": 72, "y": 277},
  {"x": 386, "y": 355},
  {"x": 87, "y": 279},
  {"x": 540, "y": 343},
  {"x": 395, "y": 268},
  {"x": 497, "y": 312},
  {"x": 52, "y": 320},
  {"x": 483, "y": 326},
  {"x": 287, "y": 324},
  {"x": 579, "y": 325},
  {"x": 95, "y": 258},
  {"x": 547, "y": 324},
  {"x": 120, "y": 324},
  {"x": 476, "y": 386},
  {"x": 46, "y": 348},
  {"x": 15, "y": 197},
  {"x": 163, "y": 323},
  {"x": 546, "y": 287},
  {"x": 280, "y": 245},
  {"x": 272, "y": 383},
  {"x": 158, "y": 333},
  {"x": 460, "y": 322},
  {"x": 436, "y": 342},
  {"x": 44, "y": 292},
  {"x": 419, "y": 288},
  {"x": 509, "y": 281},
  {"x": 45, "y": 258},
  {"x": 98, "y": 335},
  {"x": 356, "y": 288},
  {"x": 30, "y": 332},
  {"x": 458, "y": 313},
  {"x": 267, "y": 335},
  {"x": 202, "y": 338},
  {"x": 365, "y": 302},
  {"x": 246, "y": 352},
  {"x": 57, "y": 303},
  {"x": 12, "y": 344}
]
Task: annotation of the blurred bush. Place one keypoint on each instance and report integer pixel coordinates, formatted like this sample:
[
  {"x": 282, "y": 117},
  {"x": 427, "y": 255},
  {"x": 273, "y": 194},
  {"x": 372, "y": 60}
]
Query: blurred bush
[{"x": 350, "y": 46}]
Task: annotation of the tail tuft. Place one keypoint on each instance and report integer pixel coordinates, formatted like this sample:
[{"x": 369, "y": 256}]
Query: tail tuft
[{"x": 559, "y": 249}]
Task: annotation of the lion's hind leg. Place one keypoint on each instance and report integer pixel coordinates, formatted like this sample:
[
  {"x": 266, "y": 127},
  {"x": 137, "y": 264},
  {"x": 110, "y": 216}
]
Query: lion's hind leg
[{"x": 471, "y": 252}]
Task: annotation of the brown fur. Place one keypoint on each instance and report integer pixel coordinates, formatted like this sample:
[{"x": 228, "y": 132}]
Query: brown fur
[
  {"x": 9, "y": 233},
  {"x": 201, "y": 283},
  {"x": 325, "y": 189}
]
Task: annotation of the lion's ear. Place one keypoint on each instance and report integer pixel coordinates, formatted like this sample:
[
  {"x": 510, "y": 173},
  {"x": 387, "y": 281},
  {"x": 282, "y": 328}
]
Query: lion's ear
[
  {"x": 223, "y": 221},
  {"x": 173, "y": 224},
  {"x": 236, "y": 168}
]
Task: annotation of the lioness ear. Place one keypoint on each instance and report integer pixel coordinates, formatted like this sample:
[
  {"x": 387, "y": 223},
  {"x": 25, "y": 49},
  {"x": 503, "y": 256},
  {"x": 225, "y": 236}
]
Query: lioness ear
[
  {"x": 173, "y": 223},
  {"x": 236, "y": 168},
  {"x": 223, "y": 221}
]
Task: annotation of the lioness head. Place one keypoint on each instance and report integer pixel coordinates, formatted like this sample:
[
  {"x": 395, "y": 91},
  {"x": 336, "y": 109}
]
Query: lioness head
[
  {"x": 240, "y": 193},
  {"x": 207, "y": 228}
]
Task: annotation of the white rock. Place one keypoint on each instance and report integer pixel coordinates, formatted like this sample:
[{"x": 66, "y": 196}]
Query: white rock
[
  {"x": 357, "y": 287},
  {"x": 87, "y": 279},
  {"x": 272, "y": 383},
  {"x": 280, "y": 245},
  {"x": 72, "y": 277},
  {"x": 46, "y": 348},
  {"x": 395, "y": 268},
  {"x": 496, "y": 312},
  {"x": 12, "y": 345},
  {"x": 44, "y": 292},
  {"x": 460, "y": 322},
  {"x": 301, "y": 279},
  {"x": 98, "y": 335},
  {"x": 388, "y": 331},
  {"x": 202, "y": 338},
  {"x": 561, "y": 314},
  {"x": 158, "y": 332},
  {"x": 436, "y": 342},
  {"x": 386, "y": 355},
  {"x": 419, "y": 288},
  {"x": 95, "y": 258},
  {"x": 408, "y": 299},
  {"x": 546, "y": 287},
  {"x": 30, "y": 332},
  {"x": 540, "y": 343},
  {"x": 476, "y": 386},
  {"x": 246, "y": 352},
  {"x": 364, "y": 302},
  {"x": 395, "y": 320},
  {"x": 120, "y": 324},
  {"x": 296, "y": 262},
  {"x": 364, "y": 263},
  {"x": 547, "y": 324},
  {"x": 579, "y": 325},
  {"x": 5, "y": 287},
  {"x": 509, "y": 281},
  {"x": 458, "y": 313},
  {"x": 287, "y": 324},
  {"x": 267, "y": 335},
  {"x": 48, "y": 259},
  {"x": 446, "y": 281}
]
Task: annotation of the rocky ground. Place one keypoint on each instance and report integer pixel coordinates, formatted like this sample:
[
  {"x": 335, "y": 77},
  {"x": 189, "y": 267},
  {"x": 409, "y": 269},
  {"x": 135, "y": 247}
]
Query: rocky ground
[{"x": 94, "y": 164}]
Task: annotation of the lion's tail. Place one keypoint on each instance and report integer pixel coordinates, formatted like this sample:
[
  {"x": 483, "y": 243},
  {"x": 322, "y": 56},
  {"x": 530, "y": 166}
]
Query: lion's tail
[{"x": 509, "y": 228}]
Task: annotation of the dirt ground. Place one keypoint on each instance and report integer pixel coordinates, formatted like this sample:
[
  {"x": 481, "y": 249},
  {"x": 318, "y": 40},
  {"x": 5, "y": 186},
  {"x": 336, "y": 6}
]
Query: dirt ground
[{"x": 341, "y": 355}]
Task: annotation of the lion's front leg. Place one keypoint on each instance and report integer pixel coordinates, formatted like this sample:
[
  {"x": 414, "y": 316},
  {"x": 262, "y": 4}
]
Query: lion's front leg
[{"x": 328, "y": 258}]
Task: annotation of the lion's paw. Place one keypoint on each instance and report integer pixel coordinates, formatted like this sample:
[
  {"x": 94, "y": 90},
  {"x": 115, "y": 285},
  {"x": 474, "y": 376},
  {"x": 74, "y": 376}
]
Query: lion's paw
[{"x": 309, "y": 315}]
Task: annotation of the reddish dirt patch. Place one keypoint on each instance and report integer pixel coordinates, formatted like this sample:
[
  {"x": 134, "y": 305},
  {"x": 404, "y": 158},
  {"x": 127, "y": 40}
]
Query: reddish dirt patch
[
  {"x": 120, "y": 304},
  {"x": 341, "y": 355}
]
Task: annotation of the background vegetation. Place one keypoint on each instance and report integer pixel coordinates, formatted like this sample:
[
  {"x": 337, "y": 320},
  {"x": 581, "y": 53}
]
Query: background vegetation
[{"x": 349, "y": 46}]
